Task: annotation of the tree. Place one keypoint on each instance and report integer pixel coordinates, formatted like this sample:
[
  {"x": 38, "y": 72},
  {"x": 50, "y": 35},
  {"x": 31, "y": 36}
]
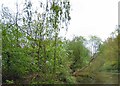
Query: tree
[
  {"x": 33, "y": 43},
  {"x": 14, "y": 57},
  {"x": 78, "y": 52},
  {"x": 94, "y": 44}
]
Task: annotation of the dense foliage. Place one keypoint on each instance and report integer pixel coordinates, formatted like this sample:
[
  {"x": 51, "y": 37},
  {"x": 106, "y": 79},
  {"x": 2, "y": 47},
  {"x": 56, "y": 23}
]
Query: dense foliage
[
  {"x": 31, "y": 45},
  {"x": 79, "y": 54},
  {"x": 34, "y": 53},
  {"x": 109, "y": 54}
]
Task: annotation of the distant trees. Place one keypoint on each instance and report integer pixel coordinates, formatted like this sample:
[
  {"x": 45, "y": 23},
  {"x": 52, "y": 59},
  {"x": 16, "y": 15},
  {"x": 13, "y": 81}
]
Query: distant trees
[
  {"x": 94, "y": 43},
  {"x": 79, "y": 54},
  {"x": 107, "y": 57}
]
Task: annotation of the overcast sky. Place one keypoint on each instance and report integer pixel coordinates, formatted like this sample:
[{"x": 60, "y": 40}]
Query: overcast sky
[
  {"x": 89, "y": 17},
  {"x": 93, "y": 17}
]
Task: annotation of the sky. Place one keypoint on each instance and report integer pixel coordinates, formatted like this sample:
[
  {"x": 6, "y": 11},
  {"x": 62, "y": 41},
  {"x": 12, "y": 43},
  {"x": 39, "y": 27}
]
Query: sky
[
  {"x": 88, "y": 17},
  {"x": 93, "y": 17}
]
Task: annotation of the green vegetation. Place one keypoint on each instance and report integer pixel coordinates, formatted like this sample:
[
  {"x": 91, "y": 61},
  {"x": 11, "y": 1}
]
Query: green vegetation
[{"x": 34, "y": 53}]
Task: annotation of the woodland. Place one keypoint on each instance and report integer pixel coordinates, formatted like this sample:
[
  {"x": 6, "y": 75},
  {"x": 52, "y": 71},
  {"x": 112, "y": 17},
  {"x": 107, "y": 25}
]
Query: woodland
[{"x": 33, "y": 52}]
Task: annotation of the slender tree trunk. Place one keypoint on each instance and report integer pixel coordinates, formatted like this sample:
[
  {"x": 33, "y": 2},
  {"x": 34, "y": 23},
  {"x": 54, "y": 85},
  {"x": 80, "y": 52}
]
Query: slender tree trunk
[
  {"x": 45, "y": 66},
  {"x": 39, "y": 45},
  {"x": 16, "y": 23},
  {"x": 54, "y": 70}
]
